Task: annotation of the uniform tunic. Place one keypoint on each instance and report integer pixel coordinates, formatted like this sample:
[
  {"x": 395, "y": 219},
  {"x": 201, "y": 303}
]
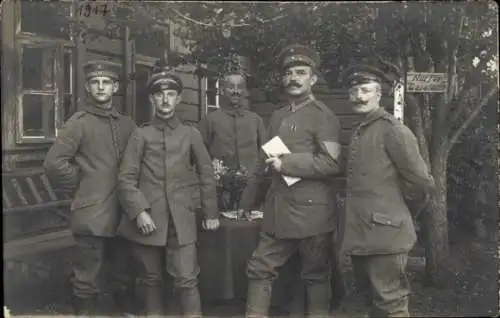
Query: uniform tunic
[
  {"x": 234, "y": 133},
  {"x": 383, "y": 155},
  {"x": 86, "y": 156},
  {"x": 165, "y": 168},
  {"x": 306, "y": 208}
]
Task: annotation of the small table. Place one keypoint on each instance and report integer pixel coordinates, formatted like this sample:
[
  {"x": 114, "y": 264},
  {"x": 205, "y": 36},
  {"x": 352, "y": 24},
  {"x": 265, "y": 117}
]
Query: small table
[{"x": 223, "y": 256}]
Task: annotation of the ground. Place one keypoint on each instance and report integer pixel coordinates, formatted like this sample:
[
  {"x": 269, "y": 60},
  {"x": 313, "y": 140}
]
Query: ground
[{"x": 471, "y": 290}]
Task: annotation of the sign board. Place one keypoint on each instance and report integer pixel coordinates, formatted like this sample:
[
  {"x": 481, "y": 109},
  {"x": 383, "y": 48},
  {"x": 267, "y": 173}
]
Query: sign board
[{"x": 426, "y": 82}]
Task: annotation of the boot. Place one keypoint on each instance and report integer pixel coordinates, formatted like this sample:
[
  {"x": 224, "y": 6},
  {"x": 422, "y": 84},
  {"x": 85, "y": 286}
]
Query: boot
[
  {"x": 191, "y": 303},
  {"x": 85, "y": 306},
  {"x": 149, "y": 299},
  {"x": 124, "y": 303},
  {"x": 258, "y": 298},
  {"x": 318, "y": 299}
]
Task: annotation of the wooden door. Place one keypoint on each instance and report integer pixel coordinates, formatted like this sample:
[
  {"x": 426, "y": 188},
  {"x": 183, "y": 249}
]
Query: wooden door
[{"x": 144, "y": 111}]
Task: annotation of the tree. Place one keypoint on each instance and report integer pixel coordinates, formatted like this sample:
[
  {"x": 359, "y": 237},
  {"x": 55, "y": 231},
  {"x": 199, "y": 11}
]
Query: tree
[{"x": 454, "y": 38}]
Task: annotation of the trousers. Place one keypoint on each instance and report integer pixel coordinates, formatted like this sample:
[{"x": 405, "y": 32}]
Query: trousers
[
  {"x": 180, "y": 261},
  {"x": 315, "y": 254},
  {"x": 383, "y": 282},
  {"x": 95, "y": 255}
]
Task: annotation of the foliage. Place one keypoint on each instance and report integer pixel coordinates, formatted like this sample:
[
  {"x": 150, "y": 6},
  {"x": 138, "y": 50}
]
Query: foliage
[
  {"x": 472, "y": 179},
  {"x": 231, "y": 180}
]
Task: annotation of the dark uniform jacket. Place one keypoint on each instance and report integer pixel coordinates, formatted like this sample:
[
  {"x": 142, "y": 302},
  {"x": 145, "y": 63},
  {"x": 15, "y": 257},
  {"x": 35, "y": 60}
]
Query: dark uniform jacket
[
  {"x": 234, "y": 133},
  {"x": 164, "y": 169},
  {"x": 307, "y": 207},
  {"x": 382, "y": 160},
  {"x": 86, "y": 156}
]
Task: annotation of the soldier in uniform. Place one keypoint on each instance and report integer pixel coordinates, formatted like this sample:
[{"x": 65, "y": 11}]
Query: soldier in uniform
[
  {"x": 383, "y": 162},
  {"x": 298, "y": 218},
  {"x": 234, "y": 134},
  {"x": 86, "y": 156},
  {"x": 165, "y": 168}
]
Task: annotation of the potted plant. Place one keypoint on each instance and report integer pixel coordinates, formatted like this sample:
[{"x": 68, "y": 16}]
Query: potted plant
[{"x": 231, "y": 181}]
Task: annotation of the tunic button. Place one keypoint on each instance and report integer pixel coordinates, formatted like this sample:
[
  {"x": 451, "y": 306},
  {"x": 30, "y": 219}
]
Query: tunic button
[{"x": 309, "y": 201}]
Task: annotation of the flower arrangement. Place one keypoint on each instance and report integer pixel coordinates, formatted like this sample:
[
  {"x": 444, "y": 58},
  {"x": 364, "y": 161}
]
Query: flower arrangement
[
  {"x": 6, "y": 312},
  {"x": 231, "y": 180}
]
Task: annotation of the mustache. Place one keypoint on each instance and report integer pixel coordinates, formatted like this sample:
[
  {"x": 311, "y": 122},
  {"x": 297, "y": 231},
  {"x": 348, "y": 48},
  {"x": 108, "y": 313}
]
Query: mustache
[
  {"x": 293, "y": 84},
  {"x": 360, "y": 101}
]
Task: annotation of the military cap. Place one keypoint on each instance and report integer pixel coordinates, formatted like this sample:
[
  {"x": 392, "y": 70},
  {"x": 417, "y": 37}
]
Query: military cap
[
  {"x": 102, "y": 68},
  {"x": 363, "y": 74},
  {"x": 297, "y": 54},
  {"x": 164, "y": 78}
]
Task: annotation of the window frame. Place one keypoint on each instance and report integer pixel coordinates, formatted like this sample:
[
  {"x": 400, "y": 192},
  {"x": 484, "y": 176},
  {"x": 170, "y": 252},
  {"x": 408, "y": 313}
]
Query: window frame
[
  {"x": 217, "y": 94},
  {"x": 56, "y": 90},
  {"x": 61, "y": 46}
]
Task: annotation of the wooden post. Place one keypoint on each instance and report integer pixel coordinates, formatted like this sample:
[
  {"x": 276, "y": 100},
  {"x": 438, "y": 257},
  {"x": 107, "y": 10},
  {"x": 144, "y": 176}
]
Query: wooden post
[
  {"x": 128, "y": 69},
  {"x": 399, "y": 90},
  {"x": 79, "y": 61},
  {"x": 202, "y": 89},
  {"x": 404, "y": 86},
  {"x": 9, "y": 61}
]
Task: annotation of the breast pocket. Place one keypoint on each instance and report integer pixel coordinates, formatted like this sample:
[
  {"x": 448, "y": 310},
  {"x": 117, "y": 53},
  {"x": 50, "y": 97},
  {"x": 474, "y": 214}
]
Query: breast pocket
[
  {"x": 381, "y": 219},
  {"x": 309, "y": 198}
]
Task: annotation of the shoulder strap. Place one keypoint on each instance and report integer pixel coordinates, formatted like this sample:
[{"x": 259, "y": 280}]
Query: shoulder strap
[
  {"x": 77, "y": 115},
  {"x": 323, "y": 107}
]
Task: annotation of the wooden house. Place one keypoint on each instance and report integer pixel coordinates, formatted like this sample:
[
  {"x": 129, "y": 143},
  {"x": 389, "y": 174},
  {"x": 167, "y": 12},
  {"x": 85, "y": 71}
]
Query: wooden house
[{"x": 42, "y": 85}]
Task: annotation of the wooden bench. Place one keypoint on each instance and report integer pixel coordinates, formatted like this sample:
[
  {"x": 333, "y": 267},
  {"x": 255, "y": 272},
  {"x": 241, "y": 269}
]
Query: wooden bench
[{"x": 30, "y": 191}]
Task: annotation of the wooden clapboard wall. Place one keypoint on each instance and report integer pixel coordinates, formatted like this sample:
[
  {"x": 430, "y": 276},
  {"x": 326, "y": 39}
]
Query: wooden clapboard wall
[{"x": 189, "y": 108}]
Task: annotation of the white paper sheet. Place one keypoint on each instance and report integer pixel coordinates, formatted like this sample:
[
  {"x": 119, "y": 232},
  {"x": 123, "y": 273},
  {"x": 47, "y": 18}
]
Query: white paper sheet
[{"x": 276, "y": 147}]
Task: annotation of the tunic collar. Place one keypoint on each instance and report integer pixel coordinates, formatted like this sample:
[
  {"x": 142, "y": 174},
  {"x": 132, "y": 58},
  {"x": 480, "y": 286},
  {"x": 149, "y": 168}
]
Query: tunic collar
[
  {"x": 374, "y": 115},
  {"x": 235, "y": 111},
  {"x": 301, "y": 102},
  {"x": 229, "y": 109},
  {"x": 172, "y": 122},
  {"x": 100, "y": 111}
]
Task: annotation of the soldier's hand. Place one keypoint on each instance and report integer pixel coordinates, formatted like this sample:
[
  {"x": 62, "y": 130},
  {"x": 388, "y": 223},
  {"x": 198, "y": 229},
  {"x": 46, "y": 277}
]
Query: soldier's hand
[
  {"x": 145, "y": 223},
  {"x": 211, "y": 224},
  {"x": 275, "y": 162}
]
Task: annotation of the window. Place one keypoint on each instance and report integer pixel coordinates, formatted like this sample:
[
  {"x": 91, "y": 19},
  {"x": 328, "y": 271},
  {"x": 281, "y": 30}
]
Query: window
[
  {"x": 44, "y": 89},
  {"x": 38, "y": 92},
  {"x": 212, "y": 93}
]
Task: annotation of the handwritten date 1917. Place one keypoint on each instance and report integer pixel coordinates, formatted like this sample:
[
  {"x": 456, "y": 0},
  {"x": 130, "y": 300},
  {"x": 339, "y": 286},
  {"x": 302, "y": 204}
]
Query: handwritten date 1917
[{"x": 92, "y": 8}]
